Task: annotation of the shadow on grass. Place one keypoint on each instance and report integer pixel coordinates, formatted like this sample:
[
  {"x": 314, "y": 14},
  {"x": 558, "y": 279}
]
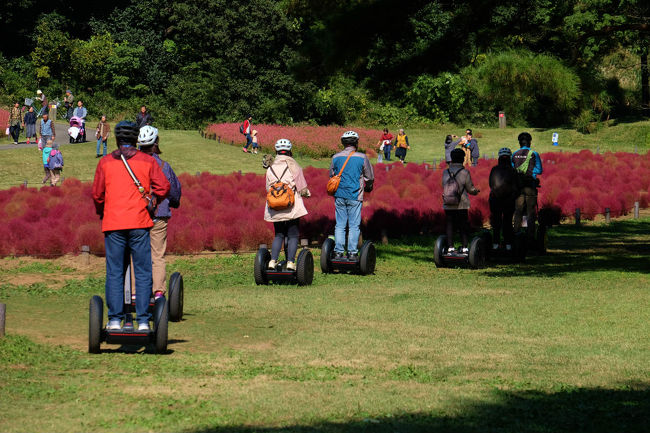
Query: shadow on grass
[{"x": 573, "y": 410}]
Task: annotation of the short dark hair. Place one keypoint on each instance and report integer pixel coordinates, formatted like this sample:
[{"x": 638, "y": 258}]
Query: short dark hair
[
  {"x": 457, "y": 155},
  {"x": 469, "y": 131},
  {"x": 524, "y": 139},
  {"x": 448, "y": 139}
]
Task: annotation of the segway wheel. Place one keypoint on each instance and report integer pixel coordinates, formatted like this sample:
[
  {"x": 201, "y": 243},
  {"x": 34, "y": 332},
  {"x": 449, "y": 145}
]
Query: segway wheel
[
  {"x": 305, "y": 268},
  {"x": 477, "y": 251},
  {"x": 326, "y": 252},
  {"x": 176, "y": 297},
  {"x": 367, "y": 258},
  {"x": 542, "y": 239},
  {"x": 439, "y": 250},
  {"x": 161, "y": 324},
  {"x": 95, "y": 318},
  {"x": 262, "y": 259}
]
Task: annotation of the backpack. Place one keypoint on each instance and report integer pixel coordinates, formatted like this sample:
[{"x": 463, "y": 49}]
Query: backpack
[
  {"x": 56, "y": 160},
  {"x": 241, "y": 128},
  {"x": 280, "y": 195},
  {"x": 451, "y": 190}
]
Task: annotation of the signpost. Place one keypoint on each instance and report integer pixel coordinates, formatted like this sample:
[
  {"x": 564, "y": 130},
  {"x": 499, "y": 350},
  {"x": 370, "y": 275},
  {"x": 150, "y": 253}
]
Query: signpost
[{"x": 502, "y": 119}]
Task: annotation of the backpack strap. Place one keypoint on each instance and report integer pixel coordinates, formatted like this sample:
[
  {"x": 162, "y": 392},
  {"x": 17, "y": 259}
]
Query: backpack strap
[{"x": 283, "y": 173}]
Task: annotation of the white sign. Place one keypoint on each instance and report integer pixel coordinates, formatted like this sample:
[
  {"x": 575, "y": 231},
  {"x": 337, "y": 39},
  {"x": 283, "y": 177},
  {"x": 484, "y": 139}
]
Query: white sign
[{"x": 555, "y": 137}]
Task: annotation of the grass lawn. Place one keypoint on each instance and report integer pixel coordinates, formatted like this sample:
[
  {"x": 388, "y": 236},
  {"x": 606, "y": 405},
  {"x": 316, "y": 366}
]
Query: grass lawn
[
  {"x": 559, "y": 344},
  {"x": 188, "y": 152}
]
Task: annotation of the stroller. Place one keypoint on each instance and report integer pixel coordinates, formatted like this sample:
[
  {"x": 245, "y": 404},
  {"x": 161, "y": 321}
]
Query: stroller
[{"x": 76, "y": 130}]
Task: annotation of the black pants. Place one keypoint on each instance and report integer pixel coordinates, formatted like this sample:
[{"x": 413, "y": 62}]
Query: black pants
[
  {"x": 15, "y": 132},
  {"x": 286, "y": 229},
  {"x": 400, "y": 153},
  {"x": 501, "y": 211},
  {"x": 459, "y": 219},
  {"x": 526, "y": 202}
]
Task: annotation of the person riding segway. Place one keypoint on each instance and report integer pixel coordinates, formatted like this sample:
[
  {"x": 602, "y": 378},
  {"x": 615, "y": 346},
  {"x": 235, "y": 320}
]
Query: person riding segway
[
  {"x": 285, "y": 186},
  {"x": 126, "y": 188},
  {"x": 351, "y": 175},
  {"x": 528, "y": 165},
  {"x": 149, "y": 143}
]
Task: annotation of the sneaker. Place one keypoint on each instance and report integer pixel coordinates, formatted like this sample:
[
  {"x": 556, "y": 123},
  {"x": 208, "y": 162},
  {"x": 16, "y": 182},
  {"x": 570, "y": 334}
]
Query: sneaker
[
  {"x": 144, "y": 326},
  {"x": 27, "y": 141},
  {"x": 291, "y": 266},
  {"x": 508, "y": 247},
  {"x": 158, "y": 294},
  {"x": 353, "y": 256},
  {"x": 98, "y": 156},
  {"x": 243, "y": 149},
  {"x": 114, "y": 325},
  {"x": 464, "y": 250},
  {"x": 338, "y": 256},
  {"x": 451, "y": 250},
  {"x": 495, "y": 246},
  {"x": 272, "y": 264}
]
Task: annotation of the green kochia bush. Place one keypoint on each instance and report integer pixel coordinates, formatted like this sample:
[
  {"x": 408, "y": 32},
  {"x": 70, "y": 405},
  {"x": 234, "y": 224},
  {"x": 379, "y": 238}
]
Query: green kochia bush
[{"x": 531, "y": 88}]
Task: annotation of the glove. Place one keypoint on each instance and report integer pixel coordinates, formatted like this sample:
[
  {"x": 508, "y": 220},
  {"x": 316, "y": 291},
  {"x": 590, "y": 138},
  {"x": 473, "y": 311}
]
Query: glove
[
  {"x": 305, "y": 192},
  {"x": 267, "y": 161}
]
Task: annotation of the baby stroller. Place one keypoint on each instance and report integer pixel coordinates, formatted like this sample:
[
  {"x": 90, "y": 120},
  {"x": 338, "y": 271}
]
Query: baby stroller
[{"x": 76, "y": 130}]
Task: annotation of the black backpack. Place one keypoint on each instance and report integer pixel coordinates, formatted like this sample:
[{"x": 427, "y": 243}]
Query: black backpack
[
  {"x": 451, "y": 190},
  {"x": 241, "y": 128}
]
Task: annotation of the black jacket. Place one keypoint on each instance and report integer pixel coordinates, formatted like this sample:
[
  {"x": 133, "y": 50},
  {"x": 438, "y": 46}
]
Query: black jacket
[{"x": 503, "y": 182}]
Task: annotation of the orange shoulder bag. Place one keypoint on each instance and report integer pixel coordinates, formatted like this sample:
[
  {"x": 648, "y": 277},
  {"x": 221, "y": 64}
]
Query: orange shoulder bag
[{"x": 333, "y": 183}]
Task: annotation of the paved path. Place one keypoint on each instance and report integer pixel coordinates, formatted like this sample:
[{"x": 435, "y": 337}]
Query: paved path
[{"x": 61, "y": 138}]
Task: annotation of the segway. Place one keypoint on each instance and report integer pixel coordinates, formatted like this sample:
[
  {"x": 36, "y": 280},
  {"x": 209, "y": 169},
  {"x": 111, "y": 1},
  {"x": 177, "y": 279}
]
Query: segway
[
  {"x": 303, "y": 275},
  {"x": 515, "y": 255},
  {"x": 175, "y": 293},
  {"x": 475, "y": 258},
  {"x": 364, "y": 264},
  {"x": 97, "y": 333}
]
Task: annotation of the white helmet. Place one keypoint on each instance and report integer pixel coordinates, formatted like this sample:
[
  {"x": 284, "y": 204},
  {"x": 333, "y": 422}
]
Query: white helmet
[
  {"x": 350, "y": 138},
  {"x": 350, "y": 134},
  {"x": 147, "y": 136},
  {"x": 283, "y": 144},
  {"x": 38, "y": 92}
]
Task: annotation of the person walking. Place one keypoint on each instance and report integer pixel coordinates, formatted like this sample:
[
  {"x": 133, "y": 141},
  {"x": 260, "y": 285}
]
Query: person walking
[
  {"x": 386, "y": 144},
  {"x": 356, "y": 177},
  {"x": 55, "y": 164},
  {"x": 102, "y": 133},
  {"x": 144, "y": 117},
  {"x": 45, "y": 108},
  {"x": 47, "y": 149},
  {"x": 457, "y": 184},
  {"x": 528, "y": 165},
  {"x": 255, "y": 141},
  {"x": 68, "y": 103},
  {"x": 401, "y": 145},
  {"x": 81, "y": 113},
  {"x": 30, "y": 124},
  {"x": 126, "y": 221},
  {"x": 286, "y": 221},
  {"x": 47, "y": 131},
  {"x": 503, "y": 192},
  {"x": 15, "y": 122},
  {"x": 472, "y": 146},
  {"x": 149, "y": 143},
  {"x": 247, "y": 128}
]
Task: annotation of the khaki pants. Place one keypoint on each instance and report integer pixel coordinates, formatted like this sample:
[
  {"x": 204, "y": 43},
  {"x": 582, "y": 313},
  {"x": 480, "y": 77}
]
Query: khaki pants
[
  {"x": 56, "y": 176},
  {"x": 158, "y": 235},
  {"x": 526, "y": 204}
]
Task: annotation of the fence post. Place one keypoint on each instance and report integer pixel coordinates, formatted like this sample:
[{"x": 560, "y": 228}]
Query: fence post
[
  {"x": 607, "y": 215},
  {"x": 85, "y": 254},
  {"x": 3, "y": 314},
  {"x": 198, "y": 173},
  {"x": 577, "y": 216},
  {"x": 502, "y": 119},
  {"x": 636, "y": 210},
  {"x": 384, "y": 236},
  {"x": 25, "y": 183},
  {"x": 219, "y": 139},
  {"x": 387, "y": 168}
]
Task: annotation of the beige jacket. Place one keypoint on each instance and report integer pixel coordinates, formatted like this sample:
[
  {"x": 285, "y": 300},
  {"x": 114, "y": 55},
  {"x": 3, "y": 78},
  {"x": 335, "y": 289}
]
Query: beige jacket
[{"x": 295, "y": 178}]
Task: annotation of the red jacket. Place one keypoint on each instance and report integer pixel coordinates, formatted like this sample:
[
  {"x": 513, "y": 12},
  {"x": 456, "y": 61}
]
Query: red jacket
[
  {"x": 247, "y": 127},
  {"x": 117, "y": 200}
]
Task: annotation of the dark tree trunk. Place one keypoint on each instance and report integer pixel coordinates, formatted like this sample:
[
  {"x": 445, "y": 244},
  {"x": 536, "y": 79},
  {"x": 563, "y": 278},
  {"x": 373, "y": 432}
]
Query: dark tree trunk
[{"x": 645, "y": 88}]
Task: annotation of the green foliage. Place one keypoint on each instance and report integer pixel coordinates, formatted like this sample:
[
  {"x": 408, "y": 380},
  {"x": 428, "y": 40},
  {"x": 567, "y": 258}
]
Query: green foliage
[
  {"x": 89, "y": 59},
  {"x": 533, "y": 88},
  {"x": 52, "y": 52},
  {"x": 443, "y": 98}
]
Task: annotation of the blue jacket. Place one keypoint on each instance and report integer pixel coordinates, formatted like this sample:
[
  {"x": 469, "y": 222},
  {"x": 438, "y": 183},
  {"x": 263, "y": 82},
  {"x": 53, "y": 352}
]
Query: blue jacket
[
  {"x": 80, "y": 112},
  {"x": 473, "y": 147},
  {"x": 357, "y": 176},
  {"x": 174, "y": 197}
]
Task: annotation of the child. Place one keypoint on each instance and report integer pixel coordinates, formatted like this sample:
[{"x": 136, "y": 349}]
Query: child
[
  {"x": 457, "y": 214},
  {"x": 255, "y": 145},
  {"x": 47, "y": 149},
  {"x": 286, "y": 221},
  {"x": 102, "y": 133},
  {"x": 55, "y": 164}
]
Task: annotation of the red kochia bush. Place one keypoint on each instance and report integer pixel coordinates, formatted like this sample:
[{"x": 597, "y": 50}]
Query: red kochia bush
[
  {"x": 316, "y": 141},
  {"x": 226, "y": 212}
]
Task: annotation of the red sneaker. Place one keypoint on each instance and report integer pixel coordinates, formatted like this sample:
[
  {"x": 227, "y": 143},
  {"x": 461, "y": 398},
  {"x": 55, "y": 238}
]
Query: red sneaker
[{"x": 243, "y": 149}]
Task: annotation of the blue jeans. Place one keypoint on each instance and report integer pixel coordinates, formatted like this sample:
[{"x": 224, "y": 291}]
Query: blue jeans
[
  {"x": 347, "y": 212},
  {"x": 249, "y": 140},
  {"x": 99, "y": 143},
  {"x": 119, "y": 244},
  {"x": 387, "y": 149}
]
